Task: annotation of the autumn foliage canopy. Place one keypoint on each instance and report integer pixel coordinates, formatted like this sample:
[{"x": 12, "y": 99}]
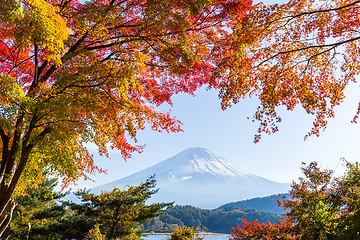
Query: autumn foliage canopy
[
  {"x": 76, "y": 71},
  {"x": 297, "y": 53}
]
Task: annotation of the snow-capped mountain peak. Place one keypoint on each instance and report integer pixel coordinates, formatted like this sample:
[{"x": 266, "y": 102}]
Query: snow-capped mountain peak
[
  {"x": 199, "y": 161},
  {"x": 199, "y": 177}
]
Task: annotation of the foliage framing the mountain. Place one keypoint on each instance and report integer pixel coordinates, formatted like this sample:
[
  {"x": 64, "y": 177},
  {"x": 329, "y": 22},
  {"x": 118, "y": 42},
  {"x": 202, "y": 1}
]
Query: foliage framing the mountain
[
  {"x": 91, "y": 71},
  {"x": 320, "y": 207},
  {"x": 208, "y": 220},
  {"x": 297, "y": 53}
]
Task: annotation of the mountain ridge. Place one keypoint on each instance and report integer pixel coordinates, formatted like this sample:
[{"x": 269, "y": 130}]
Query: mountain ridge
[
  {"x": 267, "y": 203},
  {"x": 200, "y": 178}
]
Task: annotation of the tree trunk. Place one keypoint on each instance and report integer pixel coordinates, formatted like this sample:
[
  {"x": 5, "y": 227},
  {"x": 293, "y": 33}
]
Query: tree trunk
[
  {"x": 6, "y": 215},
  {"x": 11, "y": 173}
]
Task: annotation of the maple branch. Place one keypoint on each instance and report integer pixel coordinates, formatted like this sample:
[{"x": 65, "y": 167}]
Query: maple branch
[
  {"x": 4, "y": 139},
  {"x": 107, "y": 58},
  {"x": 31, "y": 128},
  {"x": 71, "y": 53},
  {"x": 106, "y": 45},
  {"x": 63, "y": 5},
  {"x": 10, "y": 162},
  {"x": 42, "y": 68},
  {"x": 15, "y": 64},
  {"x": 9, "y": 49},
  {"x": 314, "y": 56},
  {"x": 17, "y": 56},
  {"x": 18, "y": 64},
  {"x": 321, "y": 10},
  {"x": 139, "y": 37},
  {"x": 332, "y": 45},
  {"x": 26, "y": 150},
  {"x": 47, "y": 124},
  {"x": 291, "y": 17},
  {"x": 308, "y": 13},
  {"x": 111, "y": 97},
  {"x": 45, "y": 132},
  {"x": 16, "y": 139},
  {"x": 123, "y": 25},
  {"x": 36, "y": 74},
  {"x": 4, "y": 159},
  {"x": 81, "y": 86},
  {"x": 322, "y": 52},
  {"x": 205, "y": 17},
  {"x": 78, "y": 86},
  {"x": 200, "y": 15}
]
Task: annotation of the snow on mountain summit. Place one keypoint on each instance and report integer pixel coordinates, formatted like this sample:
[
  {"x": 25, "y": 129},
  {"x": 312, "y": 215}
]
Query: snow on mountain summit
[
  {"x": 199, "y": 177},
  {"x": 196, "y": 161}
]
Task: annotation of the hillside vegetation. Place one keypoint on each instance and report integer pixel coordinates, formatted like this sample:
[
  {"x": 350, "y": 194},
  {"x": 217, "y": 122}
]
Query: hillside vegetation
[
  {"x": 260, "y": 203},
  {"x": 206, "y": 220}
]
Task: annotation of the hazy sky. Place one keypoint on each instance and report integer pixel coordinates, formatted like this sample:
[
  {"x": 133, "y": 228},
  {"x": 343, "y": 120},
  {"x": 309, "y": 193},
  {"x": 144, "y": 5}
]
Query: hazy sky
[{"x": 230, "y": 135}]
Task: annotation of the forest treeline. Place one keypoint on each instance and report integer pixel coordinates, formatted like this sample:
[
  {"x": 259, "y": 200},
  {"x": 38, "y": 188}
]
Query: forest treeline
[
  {"x": 204, "y": 220},
  {"x": 41, "y": 214}
]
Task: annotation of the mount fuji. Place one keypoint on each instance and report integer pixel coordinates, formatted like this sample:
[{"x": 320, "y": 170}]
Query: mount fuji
[{"x": 200, "y": 178}]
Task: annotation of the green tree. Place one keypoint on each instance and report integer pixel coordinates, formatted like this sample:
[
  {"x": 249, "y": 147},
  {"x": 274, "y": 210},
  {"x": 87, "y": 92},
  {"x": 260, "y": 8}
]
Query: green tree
[
  {"x": 95, "y": 234},
  {"x": 184, "y": 233},
  {"x": 118, "y": 213},
  {"x": 35, "y": 211},
  {"x": 348, "y": 195},
  {"x": 314, "y": 204}
]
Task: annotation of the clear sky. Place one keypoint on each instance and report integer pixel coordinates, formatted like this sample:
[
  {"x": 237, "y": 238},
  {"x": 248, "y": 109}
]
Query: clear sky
[{"x": 230, "y": 135}]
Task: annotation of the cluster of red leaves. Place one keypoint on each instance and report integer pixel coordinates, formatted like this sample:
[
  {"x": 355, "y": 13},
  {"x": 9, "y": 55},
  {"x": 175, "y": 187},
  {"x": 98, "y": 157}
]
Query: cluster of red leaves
[{"x": 255, "y": 230}]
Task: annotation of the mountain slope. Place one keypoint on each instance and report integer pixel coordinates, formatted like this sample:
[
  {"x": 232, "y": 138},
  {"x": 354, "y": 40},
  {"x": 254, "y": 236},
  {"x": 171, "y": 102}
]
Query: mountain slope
[
  {"x": 260, "y": 203},
  {"x": 198, "y": 177}
]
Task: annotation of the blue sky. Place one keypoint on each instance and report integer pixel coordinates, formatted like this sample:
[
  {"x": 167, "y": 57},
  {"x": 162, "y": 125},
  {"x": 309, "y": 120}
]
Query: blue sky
[{"x": 230, "y": 135}]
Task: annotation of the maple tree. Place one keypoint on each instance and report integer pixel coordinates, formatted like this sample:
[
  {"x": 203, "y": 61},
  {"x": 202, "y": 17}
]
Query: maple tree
[
  {"x": 255, "y": 230},
  {"x": 321, "y": 207},
  {"x": 297, "y": 53},
  {"x": 77, "y": 71}
]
